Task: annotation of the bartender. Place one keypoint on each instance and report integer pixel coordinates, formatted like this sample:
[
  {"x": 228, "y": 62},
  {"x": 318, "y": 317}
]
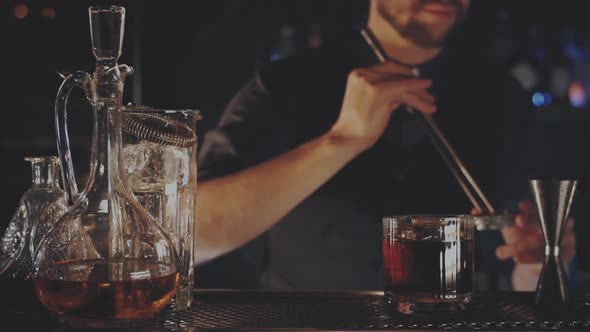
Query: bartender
[{"x": 312, "y": 152}]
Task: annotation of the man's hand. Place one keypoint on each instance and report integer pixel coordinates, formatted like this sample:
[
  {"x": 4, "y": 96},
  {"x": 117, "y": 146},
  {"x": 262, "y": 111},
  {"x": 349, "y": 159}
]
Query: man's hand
[
  {"x": 524, "y": 240},
  {"x": 370, "y": 97},
  {"x": 526, "y": 246}
]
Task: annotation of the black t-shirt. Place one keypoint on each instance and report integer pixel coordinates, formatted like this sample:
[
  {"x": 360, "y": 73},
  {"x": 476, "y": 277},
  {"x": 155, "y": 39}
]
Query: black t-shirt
[{"x": 332, "y": 240}]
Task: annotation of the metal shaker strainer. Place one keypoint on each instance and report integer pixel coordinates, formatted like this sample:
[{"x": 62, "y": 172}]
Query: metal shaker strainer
[{"x": 155, "y": 126}]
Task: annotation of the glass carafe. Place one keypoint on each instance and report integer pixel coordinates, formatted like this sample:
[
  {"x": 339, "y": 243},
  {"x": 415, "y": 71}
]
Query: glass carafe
[
  {"x": 106, "y": 258},
  {"x": 39, "y": 208}
]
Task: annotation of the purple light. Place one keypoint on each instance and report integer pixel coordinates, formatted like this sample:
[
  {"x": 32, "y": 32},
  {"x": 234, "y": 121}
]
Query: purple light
[{"x": 577, "y": 94}]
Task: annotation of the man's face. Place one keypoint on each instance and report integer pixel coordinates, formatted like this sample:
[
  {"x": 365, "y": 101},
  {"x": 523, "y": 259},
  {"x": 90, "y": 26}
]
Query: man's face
[{"x": 426, "y": 23}]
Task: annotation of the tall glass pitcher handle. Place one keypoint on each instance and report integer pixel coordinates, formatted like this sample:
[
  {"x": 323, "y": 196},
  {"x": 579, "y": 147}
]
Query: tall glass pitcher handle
[{"x": 61, "y": 127}]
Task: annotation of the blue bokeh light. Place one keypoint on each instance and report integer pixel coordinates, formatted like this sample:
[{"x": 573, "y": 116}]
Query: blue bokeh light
[
  {"x": 542, "y": 99},
  {"x": 538, "y": 99}
]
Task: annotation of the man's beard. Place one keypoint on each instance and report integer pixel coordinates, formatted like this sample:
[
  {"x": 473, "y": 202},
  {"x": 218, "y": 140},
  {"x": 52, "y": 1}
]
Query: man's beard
[{"x": 417, "y": 32}]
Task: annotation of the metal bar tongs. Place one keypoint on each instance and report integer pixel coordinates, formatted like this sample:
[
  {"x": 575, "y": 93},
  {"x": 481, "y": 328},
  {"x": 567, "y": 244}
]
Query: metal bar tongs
[{"x": 489, "y": 219}]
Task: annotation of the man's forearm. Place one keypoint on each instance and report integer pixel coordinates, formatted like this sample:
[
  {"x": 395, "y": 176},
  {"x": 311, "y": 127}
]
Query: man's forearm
[{"x": 234, "y": 209}]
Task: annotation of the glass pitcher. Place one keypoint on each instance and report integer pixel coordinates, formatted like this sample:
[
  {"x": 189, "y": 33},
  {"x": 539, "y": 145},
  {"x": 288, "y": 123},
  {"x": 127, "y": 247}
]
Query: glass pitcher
[
  {"x": 106, "y": 258},
  {"x": 160, "y": 162}
]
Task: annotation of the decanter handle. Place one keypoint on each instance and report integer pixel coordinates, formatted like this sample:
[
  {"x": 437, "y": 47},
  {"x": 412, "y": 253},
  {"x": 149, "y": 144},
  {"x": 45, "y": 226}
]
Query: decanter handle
[{"x": 81, "y": 79}]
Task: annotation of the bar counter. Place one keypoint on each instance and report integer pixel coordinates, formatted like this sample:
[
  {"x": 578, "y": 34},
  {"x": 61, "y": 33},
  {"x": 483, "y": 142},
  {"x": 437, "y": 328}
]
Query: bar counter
[{"x": 329, "y": 311}]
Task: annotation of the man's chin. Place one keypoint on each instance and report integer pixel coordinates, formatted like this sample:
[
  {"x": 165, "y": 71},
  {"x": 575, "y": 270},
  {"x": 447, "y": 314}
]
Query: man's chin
[
  {"x": 435, "y": 41},
  {"x": 425, "y": 38},
  {"x": 432, "y": 30}
]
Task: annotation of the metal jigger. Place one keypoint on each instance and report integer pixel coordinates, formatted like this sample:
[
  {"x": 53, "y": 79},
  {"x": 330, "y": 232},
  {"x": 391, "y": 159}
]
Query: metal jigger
[{"x": 553, "y": 199}]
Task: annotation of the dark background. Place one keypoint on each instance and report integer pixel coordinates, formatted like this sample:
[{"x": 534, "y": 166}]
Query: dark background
[{"x": 196, "y": 54}]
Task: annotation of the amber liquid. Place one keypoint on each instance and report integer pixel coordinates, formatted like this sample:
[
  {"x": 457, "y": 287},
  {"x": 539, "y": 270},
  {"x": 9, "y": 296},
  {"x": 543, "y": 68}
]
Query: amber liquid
[{"x": 102, "y": 289}]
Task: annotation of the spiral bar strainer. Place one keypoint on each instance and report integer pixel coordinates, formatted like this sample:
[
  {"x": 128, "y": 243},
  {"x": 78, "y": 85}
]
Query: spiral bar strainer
[{"x": 155, "y": 126}]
